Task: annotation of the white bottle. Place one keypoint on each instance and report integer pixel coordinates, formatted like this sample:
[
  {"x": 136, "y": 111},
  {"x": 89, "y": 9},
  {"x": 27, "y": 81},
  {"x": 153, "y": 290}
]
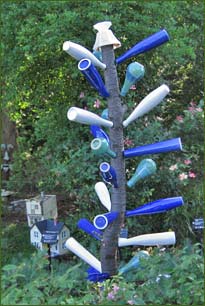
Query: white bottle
[
  {"x": 148, "y": 103},
  {"x": 75, "y": 247},
  {"x": 103, "y": 195},
  {"x": 83, "y": 116},
  {"x": 166, "y": 238},
  {"x": 79, "y": 52}
]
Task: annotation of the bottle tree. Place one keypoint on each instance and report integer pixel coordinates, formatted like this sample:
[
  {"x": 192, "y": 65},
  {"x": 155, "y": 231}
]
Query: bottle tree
[{"x": 107, "y": 227}]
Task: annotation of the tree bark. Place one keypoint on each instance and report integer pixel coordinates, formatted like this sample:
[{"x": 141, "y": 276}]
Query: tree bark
[
  {"x": 9, "y": 131},
  {"x": 109, "y": 245},
  {"x": 9, "y": 135}
]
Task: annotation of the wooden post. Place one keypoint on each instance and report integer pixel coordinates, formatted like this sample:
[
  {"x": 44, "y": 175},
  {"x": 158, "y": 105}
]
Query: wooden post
[
  {"x": 109, "y": 245},
  {"x": 49, "y": 257}
]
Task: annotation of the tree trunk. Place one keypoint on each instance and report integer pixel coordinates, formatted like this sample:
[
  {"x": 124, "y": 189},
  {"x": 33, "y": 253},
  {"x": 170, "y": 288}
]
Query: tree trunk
[
  {"x": 8, "y": 142},
  {"x": 9, "y": 134},
  {"x": 109, "y": 245}
]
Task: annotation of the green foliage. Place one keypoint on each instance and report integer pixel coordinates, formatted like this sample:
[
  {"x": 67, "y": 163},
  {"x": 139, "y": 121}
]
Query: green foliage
[
  {"x": 31, "y": 283},
  {"x": 166, "y": 278},
  {"x": 15, "y": 240},
  {"x": 40, "y": 81},
  {"x": 174, "y": 276}
]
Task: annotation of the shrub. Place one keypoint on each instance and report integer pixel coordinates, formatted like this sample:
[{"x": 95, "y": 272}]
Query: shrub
[{"x": 167, "y": 277}]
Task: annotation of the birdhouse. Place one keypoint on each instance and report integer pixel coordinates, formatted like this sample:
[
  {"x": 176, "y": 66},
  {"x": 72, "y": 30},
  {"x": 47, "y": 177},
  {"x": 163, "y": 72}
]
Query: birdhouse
[
  {"x": 40, "y": 208},
  {"x": 50, "y": 233}
]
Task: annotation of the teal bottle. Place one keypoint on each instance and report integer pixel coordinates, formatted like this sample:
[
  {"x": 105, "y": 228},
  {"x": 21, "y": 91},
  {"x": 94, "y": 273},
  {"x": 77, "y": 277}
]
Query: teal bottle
[
  {"x": 100, "y": 147},
  {"x": 98, "y": 54},
  {"x": 145, "y": 168},
  {"x": 134, "y": 263},
  {"x": 135, "y": 71},
  {"x": 105, "y": 114}
]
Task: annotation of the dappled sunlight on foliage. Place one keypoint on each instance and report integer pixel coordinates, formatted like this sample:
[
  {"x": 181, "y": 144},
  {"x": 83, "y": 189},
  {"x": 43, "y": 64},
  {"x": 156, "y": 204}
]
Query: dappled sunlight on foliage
[{"x": 40, "y": 82}]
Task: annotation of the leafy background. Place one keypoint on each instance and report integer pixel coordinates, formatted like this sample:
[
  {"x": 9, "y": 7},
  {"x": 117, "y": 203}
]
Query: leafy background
[{"x": 40, "y": 82}]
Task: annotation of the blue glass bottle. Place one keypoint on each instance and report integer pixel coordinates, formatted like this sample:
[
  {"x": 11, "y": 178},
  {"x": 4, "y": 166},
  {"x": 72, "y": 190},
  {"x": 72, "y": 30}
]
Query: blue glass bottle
[
  {"x": 145, "y": 45},
  {"x": 93, "y": 76},
  {"x": 97, "y": 132},
  {"x": 158, "y": 147},
  {"x": 90, "y": 229},
  {"x": 102, "y": 221},
  {"x": 108, "y": 173},
  {"x": 156, "y": 207}
]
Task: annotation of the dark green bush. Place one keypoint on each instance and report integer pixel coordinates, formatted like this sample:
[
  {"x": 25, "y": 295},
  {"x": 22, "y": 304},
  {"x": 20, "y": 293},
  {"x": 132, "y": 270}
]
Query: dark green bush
[{"x": 167, "y": 277}]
